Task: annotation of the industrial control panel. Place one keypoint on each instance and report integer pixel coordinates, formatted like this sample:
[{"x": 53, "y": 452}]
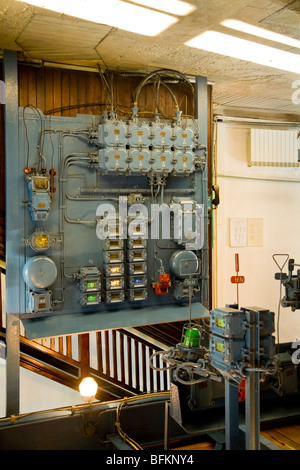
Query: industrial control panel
[{"x": 114, "y": 216}]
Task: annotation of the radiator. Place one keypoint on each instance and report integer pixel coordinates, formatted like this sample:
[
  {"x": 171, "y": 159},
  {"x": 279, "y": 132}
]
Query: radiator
[{"x": 272, "y": 147}]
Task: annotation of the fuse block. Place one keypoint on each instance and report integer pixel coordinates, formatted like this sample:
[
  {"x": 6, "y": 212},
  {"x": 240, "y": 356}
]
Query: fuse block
[
  {"x": 230, "y": 340},
  {"x": 39, "y": 196},
  {"x": 90, "y": 285},
  {"x": 146, "y": 147}
]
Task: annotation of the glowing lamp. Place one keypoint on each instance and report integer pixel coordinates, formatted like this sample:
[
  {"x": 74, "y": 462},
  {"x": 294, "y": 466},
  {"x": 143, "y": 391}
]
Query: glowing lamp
[{"x": 88, "y": 388}]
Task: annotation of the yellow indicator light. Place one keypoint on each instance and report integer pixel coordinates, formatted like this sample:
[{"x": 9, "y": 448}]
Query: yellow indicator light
[
  {"x": 115, "y": 283},
  {"x": 162, "y": 158},
  {"x": 220, "y": 347},
  {"x": 141, "y": 157},
  {"x": 41, "y": 205},
  {"x": 41, "y": 241},
  {"x": 115, "y": 269},
  {"x": 220, "y": 323},
  {"x": 140, "y": 132},
  {"x": 162, "y": 134},
  {"x": 117, "y": 157},
  {"x": 116, "y": 131},
  {"x": 184, "y": 136},
  {"x": 184, "y": 159}
]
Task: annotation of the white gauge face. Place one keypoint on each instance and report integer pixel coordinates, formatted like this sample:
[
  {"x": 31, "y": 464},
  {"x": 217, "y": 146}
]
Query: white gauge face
[{"x": 39, "y": 272}]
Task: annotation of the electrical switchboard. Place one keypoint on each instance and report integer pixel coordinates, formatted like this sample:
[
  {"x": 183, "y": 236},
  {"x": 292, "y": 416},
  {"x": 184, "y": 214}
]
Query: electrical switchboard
[{"x": 114, "y": 218}]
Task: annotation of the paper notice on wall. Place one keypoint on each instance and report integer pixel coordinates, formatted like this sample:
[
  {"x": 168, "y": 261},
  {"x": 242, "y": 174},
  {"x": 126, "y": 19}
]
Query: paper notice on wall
[
  {"x": 238, "y": 232},
  {"x": 254, "y": 232},
  {"x": 246, "y": 232}
]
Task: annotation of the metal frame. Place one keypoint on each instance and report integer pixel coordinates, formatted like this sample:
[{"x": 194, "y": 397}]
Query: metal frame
[
  {"x": 201, "y": 103},
  {"x": 10, "y": 69}
]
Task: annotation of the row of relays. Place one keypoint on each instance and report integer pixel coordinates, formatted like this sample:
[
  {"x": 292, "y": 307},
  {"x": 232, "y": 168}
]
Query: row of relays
[{"x": 116, "y": 268}]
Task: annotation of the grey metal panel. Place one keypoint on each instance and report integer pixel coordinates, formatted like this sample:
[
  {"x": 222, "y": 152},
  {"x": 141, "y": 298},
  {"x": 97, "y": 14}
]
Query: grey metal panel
[
  {"x": 71, "y": 147},
  {"x": 59, "y": 325},
  {"x": 201, "y": 116},
  {"x": 13, "y": 231},
  {"x": 14, "y": 185}
]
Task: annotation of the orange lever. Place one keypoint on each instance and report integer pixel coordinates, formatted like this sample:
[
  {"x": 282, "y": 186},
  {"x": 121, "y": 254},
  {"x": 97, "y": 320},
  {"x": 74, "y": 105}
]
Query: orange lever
[
  {"x": 237, "y": 264},
  {"x": 163, "y": 284}
]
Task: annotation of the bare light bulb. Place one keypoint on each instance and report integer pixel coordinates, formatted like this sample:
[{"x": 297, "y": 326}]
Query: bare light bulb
[{"x": 88, "y": 388}]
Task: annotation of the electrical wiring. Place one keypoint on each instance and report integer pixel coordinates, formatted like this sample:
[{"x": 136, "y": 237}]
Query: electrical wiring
[
  {"x": 157, "y": 79},
  {"x": 73, "y": 106},
  {"x": 125, "y": 402},
  {"x": 26, "y": 133},
  {"x": 108, "y": 88},
  {"x": 43, "y": 133},
  {"x": 163, "y": 72},
  {"x": 13, "y": 418},
  {"x": 74, "y": 408}
]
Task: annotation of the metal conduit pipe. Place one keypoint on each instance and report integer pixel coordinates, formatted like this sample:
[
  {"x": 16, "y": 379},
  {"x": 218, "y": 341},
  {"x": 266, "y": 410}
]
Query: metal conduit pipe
[{"x": 159, "y": 72}]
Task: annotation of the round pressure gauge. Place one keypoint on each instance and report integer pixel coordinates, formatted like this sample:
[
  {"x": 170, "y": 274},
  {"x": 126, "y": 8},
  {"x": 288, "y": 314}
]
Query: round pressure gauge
[
  {"x": 184, "y": 263},
  {"x": 39, "y": 272}
]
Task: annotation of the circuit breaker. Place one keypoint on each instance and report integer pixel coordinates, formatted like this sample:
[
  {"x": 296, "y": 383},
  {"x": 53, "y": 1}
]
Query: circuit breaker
[
  {"x": 230, "y": 339},
  {"x": 39, "y": 196}
]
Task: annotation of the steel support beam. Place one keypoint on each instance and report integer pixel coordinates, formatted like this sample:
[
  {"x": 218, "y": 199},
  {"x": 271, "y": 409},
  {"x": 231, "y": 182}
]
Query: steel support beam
[
  {"x": 167, "y": 426},
  {"x": 13, "y": 271},
  {"x": 252, "y": 401},
  {"x": 201, "y": 100},
  {"x": 231, "y": 416}
]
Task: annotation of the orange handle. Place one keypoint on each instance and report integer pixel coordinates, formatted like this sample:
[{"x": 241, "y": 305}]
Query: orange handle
[{"x": 237, "y": 264}]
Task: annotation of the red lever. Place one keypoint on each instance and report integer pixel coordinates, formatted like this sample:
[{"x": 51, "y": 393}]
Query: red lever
[
  {"x": 163, "y": 284},
  {"x": 237, "y": 264},
  {"x": 242, "y": 391}
]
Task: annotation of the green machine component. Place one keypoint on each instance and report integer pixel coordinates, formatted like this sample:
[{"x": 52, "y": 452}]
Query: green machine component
[{"x": 192, "y": 338}]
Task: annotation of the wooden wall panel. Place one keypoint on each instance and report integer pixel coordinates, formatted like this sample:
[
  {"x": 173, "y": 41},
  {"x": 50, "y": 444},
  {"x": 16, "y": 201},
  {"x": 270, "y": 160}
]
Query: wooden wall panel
[
  {"x": 2, "y": 181},
  {"x": 62, "y": 90},
  {"x": 56, "y": 90}
]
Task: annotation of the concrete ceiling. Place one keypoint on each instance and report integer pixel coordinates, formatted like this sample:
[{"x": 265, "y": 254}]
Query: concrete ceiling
[{"x": 42, "y": 35}]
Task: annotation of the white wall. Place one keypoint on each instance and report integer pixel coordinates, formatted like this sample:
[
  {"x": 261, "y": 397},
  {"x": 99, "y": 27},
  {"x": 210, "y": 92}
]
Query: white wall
[
  {"x": 37, "y": 393},
  {"x": 270, "y": 194}
]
